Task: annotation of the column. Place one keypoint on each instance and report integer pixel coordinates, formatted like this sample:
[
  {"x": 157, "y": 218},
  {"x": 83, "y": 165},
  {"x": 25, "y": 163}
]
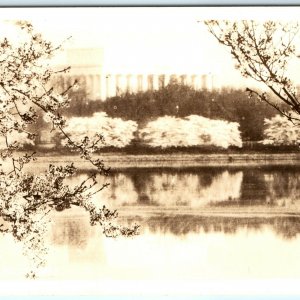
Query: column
[
  {"x": 183, "y": 79},
  {"x": 177, "y": 78},
  {"x": 198, "y": 82},
  {"x": 118, "y": 85},
  {"x": 98, "y": 88},
  {"x": 96, "y": 91},
  {"x": 155, "y": 82},
  {"x": 145, "y": 86},
  {"x": 121, "y": 84},
  {"x": 204, "y": 82},
  {"x": 150, "y": 82},
  {"x": 103, "y": 87},
  {"x": 189, "y": 80},
  {"x": 167, "y": 79},
  {"x": 173, "y": 79},
  {"x": 81, "y": 79},
  {"x": 89, "y": 86},
  {"x": 107, "y": 81},
  {"x": 134, "y": 83},
  {"x": 129, "y": 84},
  {"x": 139, "y": 82},
  {"x": 193, "y": 81},
  {"x": 112, "y": 86},
  {"x": 161, "y": 81}
]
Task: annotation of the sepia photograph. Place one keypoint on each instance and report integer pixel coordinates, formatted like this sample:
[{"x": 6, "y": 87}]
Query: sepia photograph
[{"x": 150, "y": 151}]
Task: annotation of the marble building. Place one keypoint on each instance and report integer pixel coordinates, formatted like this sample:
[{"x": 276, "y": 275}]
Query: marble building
[{"x": 86, "y": 68}]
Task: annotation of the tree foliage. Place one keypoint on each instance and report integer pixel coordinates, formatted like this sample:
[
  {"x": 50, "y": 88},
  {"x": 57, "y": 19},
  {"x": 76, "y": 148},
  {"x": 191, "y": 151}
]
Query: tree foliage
[
  {"x": 27, "y": 199},
  {"x": 178, "y": 100},
  {"x": 280, "y": 131},
  {"x": 190, "y": 131},
  {"x": 115, "y": 131},
  {"x": 262, "y": 51}
]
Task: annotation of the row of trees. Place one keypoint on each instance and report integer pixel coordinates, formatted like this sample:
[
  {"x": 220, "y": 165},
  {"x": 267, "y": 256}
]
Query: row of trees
[
  {"x": 164, "y": 132},
  {"x": 233, "y": 105},
  {"x": 170, "y": 132}
]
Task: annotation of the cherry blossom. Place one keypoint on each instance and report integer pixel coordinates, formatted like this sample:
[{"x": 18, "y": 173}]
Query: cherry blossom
[
  {"x": 27, "y": 199},
  {"x": 262, "y": 51}
]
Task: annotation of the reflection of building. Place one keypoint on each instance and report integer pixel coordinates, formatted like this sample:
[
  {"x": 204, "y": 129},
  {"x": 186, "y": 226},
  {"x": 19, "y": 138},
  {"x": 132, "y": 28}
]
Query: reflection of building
[{"x": 86, "y": 67}]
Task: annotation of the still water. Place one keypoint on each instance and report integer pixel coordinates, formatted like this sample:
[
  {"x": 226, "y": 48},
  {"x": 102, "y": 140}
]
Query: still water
[{"x": 196, "y": 223}]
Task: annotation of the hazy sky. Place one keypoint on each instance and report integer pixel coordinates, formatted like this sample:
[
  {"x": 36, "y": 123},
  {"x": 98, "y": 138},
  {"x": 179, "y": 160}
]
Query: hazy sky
[{"x": 147, "y": 40}]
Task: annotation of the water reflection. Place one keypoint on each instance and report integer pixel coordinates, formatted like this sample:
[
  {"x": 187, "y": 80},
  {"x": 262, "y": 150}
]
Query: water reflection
[
  {"x": 180, "y": 225},
  {"x": 181, "y": 247},
  {"x": 169, "y": 188},
  {"x": 283, "y": 188},
  {"x": 271, "y": 187},
  {"x": 202, "y": 187},
  {"x": 180, "y": 201},
  {"x": 71, "y": 229},
  {"x": 76, "y": 230},
  {"x": 187, "y": 216}
]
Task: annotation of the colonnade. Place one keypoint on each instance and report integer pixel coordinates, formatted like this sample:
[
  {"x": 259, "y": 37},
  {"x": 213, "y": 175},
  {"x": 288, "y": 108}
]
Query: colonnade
[{"x": 104, "y": 86}]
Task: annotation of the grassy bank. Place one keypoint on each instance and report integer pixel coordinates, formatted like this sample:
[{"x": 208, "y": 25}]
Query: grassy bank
[
  {"x": 177, "y": 160},
  {"x": 140, "y": 149}
]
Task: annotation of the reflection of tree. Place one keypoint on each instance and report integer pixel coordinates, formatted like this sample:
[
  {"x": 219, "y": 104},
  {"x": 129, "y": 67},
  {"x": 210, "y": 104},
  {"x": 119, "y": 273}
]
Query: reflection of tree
[
  {"x": 283, "y": 187},
  {"x": 173, "y": 188},
  {"x": 140, "y": 186},
  {"x": 121, "y": 191},
  {"x": 194, "y": 189},
  {"x": 199, "y": 187},
  {"x": 253, "y": 190},
  {"x": 286, "y": 227},
  {"x": 267, "y": 186}
]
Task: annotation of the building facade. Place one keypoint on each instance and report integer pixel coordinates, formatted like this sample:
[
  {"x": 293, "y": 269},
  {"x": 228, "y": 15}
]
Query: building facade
[{"x": 86, "y": 68}]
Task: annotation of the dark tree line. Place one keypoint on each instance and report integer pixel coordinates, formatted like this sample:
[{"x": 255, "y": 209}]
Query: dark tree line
[{"x": 180, "y": 100}]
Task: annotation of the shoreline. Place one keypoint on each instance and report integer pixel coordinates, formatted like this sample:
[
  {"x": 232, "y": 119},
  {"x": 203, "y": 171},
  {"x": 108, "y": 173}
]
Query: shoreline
[{"x": 178, "y": 160}]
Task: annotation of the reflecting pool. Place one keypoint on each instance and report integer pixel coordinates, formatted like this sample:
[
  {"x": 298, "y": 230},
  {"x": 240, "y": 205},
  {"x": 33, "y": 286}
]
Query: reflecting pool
[{"x": 196, "y": 223}]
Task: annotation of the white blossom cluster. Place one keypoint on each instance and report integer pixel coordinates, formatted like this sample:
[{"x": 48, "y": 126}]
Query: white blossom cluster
[
  {"x": 24, "y": 84},
  {"x": 190, "y": 131},
  {"x": 21, "y": 138},
  {"x": 280, "y": 131},
  {"x": 263, "y": 49},
  {"x": 26, "y": 199},
  {"x": 263, "y": 52},
  {"x": 115, "y": 131}
]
